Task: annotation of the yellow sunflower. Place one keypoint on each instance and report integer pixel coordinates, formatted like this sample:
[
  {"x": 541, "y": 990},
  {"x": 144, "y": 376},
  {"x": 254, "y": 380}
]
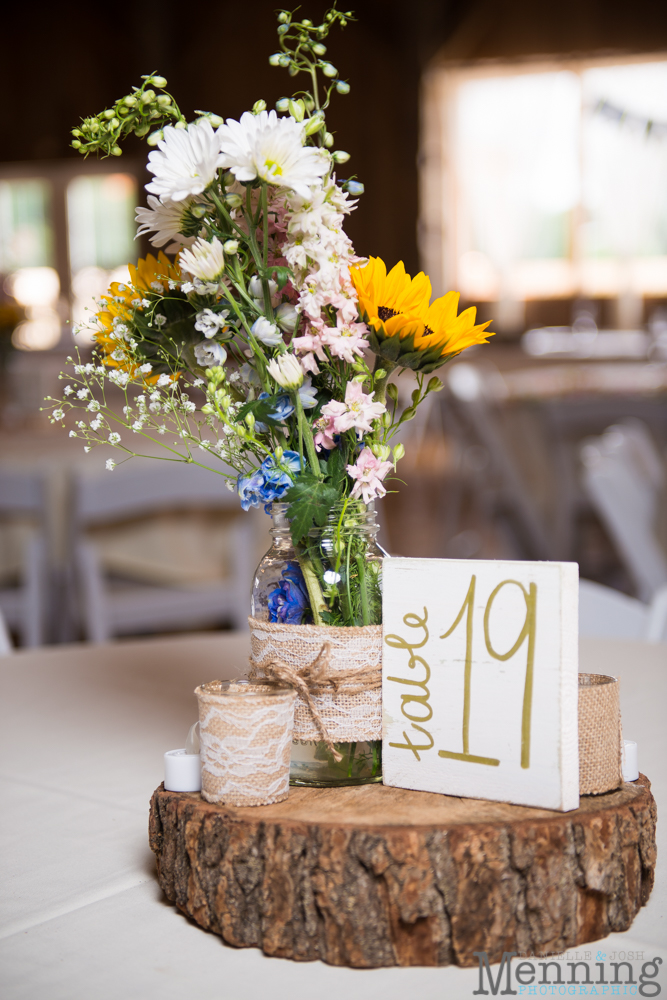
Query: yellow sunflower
[
  {"x": 403, "y": 328},
  {"x": 153, "y": 271},
  {"x": 445, "y": 333},
  {"x": 390, "y": 303},
  {"x": 123, "y": 298}
]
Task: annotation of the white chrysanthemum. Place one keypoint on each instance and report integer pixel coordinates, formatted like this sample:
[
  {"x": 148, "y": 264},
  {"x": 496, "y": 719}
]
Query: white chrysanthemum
[
  {"x": 165, "y": 220},
  {"x": 185, "y": 162},
  {"x": 272, "y": 149},
  {"x": 203, "y": 259}
]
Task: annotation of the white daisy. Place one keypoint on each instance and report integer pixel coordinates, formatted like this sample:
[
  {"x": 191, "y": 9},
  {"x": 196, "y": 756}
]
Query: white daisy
[
  {"x": 203, "y": 259},
  {"x": 185, "y": 162},
  {"x": 165, "y": 220},
  {"x": 271, "y": 148}
]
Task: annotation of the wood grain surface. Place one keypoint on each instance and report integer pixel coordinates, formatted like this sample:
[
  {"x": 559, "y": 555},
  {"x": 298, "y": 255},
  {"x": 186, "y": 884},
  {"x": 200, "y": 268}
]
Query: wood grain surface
[{"x": 371, "y": 876}]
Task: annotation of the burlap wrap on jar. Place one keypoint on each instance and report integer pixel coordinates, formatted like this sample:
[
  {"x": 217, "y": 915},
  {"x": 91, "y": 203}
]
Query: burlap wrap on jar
[
  {"x": 339, "y": 670},
  {"x": 600, "y": 743},
  {"x": 245, "y": 736}
]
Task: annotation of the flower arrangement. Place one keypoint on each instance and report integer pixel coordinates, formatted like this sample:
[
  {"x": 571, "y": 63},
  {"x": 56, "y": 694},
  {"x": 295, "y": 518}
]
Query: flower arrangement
[{"x": 262, "y": 346}]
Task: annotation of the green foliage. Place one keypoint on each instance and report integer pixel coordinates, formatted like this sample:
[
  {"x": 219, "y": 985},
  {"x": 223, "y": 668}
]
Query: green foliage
[
  {"x": 281, "y": 275},
  {"x": 334, "y": 470},
  {"x": 164, "y": 334},
  {"x": 402, "y": 351},
  {"x": 310, "y": 500}
]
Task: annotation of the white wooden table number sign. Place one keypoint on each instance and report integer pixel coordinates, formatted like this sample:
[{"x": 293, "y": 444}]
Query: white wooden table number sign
[{"x": 479, "y": 679}]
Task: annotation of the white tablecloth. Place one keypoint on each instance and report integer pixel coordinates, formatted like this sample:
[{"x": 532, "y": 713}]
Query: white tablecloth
[{"x": 82, "y": 733}]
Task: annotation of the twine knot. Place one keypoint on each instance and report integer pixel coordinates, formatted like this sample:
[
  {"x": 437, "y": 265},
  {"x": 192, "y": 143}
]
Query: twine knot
[{"x": 317, "y": 678}]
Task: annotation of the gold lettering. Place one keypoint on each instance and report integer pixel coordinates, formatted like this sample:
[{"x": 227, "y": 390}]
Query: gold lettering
[
  {"x": 528, "y": 630},
  {"x": 415, "y": 747},
  {"x": 467, "y": 608},
  {"x": 421, "y": 699},
  {"x": 398, "y": 642}
]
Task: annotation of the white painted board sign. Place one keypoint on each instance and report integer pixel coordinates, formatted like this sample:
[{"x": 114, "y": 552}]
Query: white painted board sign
[{"x": 479, "y": 679}]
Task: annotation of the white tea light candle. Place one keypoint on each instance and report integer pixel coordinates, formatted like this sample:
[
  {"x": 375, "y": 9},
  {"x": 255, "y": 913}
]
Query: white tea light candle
[
  {"x": 630, "y": 761},
  {"x": 182, "y": 771}
]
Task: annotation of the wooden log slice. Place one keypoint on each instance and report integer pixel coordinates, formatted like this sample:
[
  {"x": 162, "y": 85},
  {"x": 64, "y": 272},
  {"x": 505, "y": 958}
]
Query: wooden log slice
[{"x": 372, "y": 876}]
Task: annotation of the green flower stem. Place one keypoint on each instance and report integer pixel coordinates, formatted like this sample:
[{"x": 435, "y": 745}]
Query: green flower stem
[
  {"x": 306, "y": 433},
  {"x": 350, "y": 763},
  {"x": 259, "y": 255},
  {"x": 361, "y": 567},
  {"x": 248, "y": 435},
  {"x": 300, "y": 429},
  {"x": 268, "y": 308},
  {"x": 339, "y": 542},
  {"x": 221, "y": 207},
  {"x": 380, "y": 384},
  {"x": 347, "y": 581},
  {"x": 374, "y": 751},
  {"x": 317, "y": 602},
  {"x": 313, "y": 75}
]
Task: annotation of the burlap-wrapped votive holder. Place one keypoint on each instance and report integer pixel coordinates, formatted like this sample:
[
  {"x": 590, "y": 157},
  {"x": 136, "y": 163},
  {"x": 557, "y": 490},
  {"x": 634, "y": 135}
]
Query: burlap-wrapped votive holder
[
  {"x": 600, "y": 744},
  {"x": 245, "y": 735},
  {"x": 337, "y": 673}
]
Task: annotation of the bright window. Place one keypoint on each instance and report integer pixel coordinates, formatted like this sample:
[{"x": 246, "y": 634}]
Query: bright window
[
  {"x": 101, "y": 231},
  {"x": 547, "y": 182},
  {"x": 65, "y": 234},
  {"x": 26, "y": 239}
]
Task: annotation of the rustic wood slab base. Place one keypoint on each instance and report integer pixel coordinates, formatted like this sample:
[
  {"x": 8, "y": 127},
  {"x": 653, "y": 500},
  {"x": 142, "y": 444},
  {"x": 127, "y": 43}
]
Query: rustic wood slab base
[{"x": 374, "y": 876}]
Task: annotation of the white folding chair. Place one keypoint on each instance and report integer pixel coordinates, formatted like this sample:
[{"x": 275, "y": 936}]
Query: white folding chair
[
  {"x": 5, "y": 639},
  {"x": 24, "y": 606},
  {"x": 623, "y": 475},
  {"x": 110, "y": 607},
  {"x": 606, "y": 613}
]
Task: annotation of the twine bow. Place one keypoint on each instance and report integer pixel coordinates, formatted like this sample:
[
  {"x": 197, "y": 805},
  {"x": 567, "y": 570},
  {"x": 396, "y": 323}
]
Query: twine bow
[{"x": 316, "y": 678}]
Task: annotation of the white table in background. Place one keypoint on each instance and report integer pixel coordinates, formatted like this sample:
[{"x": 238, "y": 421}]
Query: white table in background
[{"x": 82, "y": 733}]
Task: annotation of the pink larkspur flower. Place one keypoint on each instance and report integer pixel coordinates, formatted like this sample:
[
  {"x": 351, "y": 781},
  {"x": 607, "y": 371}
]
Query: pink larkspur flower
[
  {"x": 324, "y": 438},
  {"x": 310, "y": 346},
  {"x": 357, "y": 411},
  {"x": 369, "y": 472},
  {"x": 345, "y": 339}
]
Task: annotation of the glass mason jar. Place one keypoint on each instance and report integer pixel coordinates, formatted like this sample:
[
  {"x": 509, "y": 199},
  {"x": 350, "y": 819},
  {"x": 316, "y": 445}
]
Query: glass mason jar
[{"x": 333, "y": 578}]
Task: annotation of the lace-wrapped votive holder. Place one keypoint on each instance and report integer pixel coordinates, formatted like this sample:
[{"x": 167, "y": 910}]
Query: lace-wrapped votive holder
[{"x": 245, "y": 734}]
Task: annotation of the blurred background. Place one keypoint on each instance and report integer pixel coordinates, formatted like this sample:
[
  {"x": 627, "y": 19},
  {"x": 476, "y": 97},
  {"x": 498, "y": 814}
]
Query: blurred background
[{"x": 515, "y": 152}]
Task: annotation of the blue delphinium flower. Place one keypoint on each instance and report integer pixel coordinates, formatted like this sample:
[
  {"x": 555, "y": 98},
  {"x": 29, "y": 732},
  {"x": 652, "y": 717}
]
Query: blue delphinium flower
[
  {"x": 290, "y": 460},
  {"x": 308, "y": 394},
  {"x": 282, "y": 409},
  {"x": 289, "y": 602},
  {"x": 283, "y": 406},
  {"x": 270, "y": 482},
  {"x": 250, "y": 489}
]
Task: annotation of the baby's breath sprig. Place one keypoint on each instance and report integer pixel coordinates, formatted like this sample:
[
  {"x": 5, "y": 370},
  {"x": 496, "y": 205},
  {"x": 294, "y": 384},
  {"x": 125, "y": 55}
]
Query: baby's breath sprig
[
  {"x": 161, "y": 412},
  {"x": 137, "y": 113}
]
